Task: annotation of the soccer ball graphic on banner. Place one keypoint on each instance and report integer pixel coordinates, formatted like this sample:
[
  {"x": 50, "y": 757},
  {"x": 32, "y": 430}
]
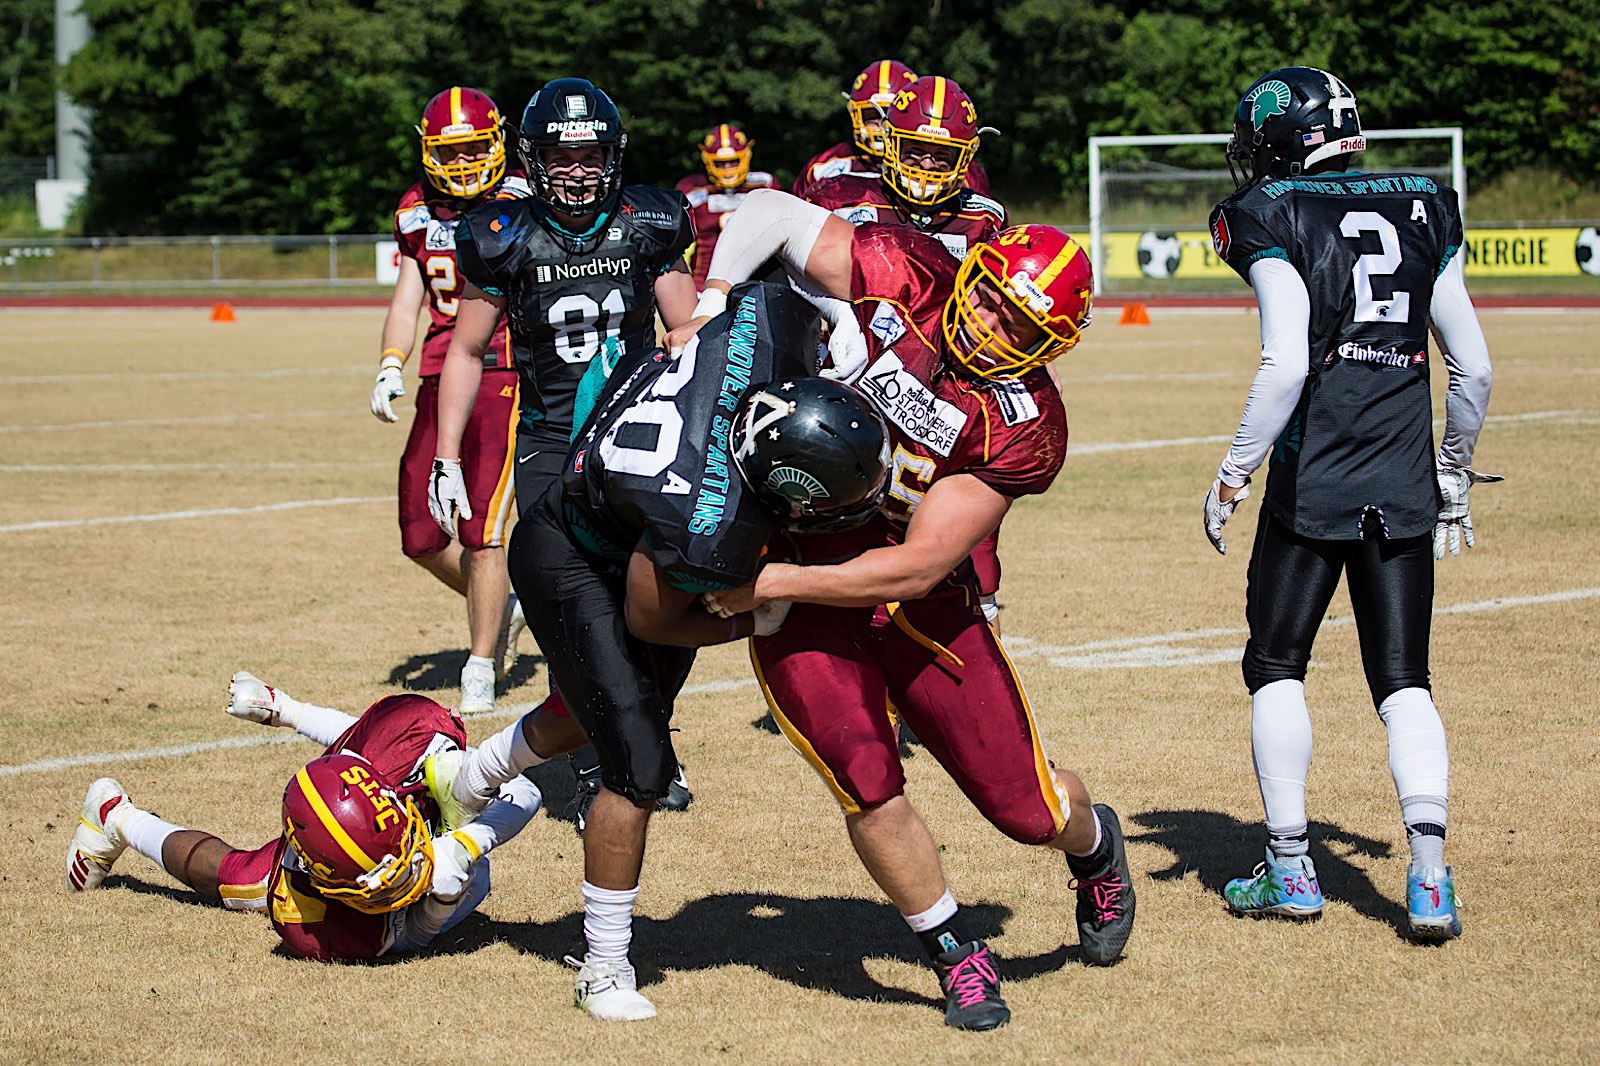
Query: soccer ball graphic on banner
[
  {"x": 1588, "y": 250},
  {"x": 1159, "y": 254}
]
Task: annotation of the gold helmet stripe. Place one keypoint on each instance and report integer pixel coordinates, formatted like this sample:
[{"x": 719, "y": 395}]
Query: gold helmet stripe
[
  {"x": 329, "y": 822},
  {"x": 1068, "y": 252},
  {"x": 727, "y": 138},
  {"x": 938, "y": 102},
  {"x": 883, "y": 79},
  {"x": 455, "y": 105}
]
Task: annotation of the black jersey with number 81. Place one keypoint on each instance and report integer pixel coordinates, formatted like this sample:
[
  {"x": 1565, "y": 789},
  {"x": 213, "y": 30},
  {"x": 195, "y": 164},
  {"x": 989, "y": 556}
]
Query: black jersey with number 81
[
  {"x": 1369, "y": 248},
  {"x": 656, "y": 462}
]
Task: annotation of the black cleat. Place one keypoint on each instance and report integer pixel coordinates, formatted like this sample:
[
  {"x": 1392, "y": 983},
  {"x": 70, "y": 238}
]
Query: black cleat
[
  {"x": 678, "y": 795},
  {"x": 1105, "y": 903},
  {"x": 972, "y": 988}
]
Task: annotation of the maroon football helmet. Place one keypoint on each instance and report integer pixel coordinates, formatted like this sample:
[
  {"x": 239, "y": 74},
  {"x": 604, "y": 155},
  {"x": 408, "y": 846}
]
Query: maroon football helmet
[
  {"x": 453, "y": 120},
  {"x": 931, "y": 135},
  {"x": 869, "y": 98}
]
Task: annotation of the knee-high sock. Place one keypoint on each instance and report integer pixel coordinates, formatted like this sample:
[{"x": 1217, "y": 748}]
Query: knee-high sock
[
  {"x": 144, "y": 832},
  {"x": 608, "y": 921},
  {"x": 1280, "y": 741},
  {"x": 496, "y": 761},
  {"x": 1420, "y": 763}
]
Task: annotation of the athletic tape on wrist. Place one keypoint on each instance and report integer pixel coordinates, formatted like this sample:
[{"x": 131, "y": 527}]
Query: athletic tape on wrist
[{"x": 712, "y": 303}]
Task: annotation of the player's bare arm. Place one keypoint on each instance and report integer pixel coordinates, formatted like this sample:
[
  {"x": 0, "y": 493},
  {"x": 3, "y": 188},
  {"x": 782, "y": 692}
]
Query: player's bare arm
[
  {"x": 809, "y": 240},
  {"x": 399, "y": 335},
  {"x": 658, "y": 613},
  {"x": 463, "y": 365},
  {"x": 956, "y": 515},
  {"x": 675, "y": 295}
]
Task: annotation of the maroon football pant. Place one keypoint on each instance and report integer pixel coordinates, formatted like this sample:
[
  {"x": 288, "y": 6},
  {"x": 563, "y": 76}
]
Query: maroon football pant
[
  {"x": 831, "y": 674},
  {"x": 486, "y": 464}
]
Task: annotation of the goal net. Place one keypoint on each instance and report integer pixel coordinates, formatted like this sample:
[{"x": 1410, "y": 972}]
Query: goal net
[{"x": 1150, "y": 199}]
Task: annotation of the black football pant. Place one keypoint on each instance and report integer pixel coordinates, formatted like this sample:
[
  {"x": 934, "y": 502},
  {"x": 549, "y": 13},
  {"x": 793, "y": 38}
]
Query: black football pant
[
  {"x": 620, "y": 688},
  {"x": 1292, "y": 580}
]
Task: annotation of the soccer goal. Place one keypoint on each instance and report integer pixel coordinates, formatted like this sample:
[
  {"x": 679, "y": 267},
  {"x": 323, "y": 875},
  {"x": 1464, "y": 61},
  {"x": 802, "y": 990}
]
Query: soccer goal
[{"x": 1150, "y": 199}]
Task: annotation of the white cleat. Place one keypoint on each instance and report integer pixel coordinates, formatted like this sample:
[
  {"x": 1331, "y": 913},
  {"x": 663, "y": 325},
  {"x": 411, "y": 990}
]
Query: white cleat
[
  {"x": 609, "y": 991},
  {"x": 477, "y": 689},
  {"x": 95, "y": 846},
  {"x": 448, "y": 787},
  {"x": 254, "y": 700},
  {"x": 516, "y": 622}
]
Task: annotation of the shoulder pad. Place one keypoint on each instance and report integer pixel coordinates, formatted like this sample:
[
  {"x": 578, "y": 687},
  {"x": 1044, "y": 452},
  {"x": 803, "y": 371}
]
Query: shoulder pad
[
  {"x": 412, "y": 214},
  {"x": 514, "y": 187},
  {"x": 696, "y": 197},
  {"x": 498, "y": 225},
  {"x": 972, "y": 201},
  {"x": 652, "y": 206},
  {"x": 761, "y": 178}
]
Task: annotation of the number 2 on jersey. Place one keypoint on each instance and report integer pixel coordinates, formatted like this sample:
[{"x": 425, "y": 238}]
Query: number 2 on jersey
[
  {"x": 442, "y": 277},
  {"x": 1397, "y": 308},
  {"x": 579, "y": 323}
]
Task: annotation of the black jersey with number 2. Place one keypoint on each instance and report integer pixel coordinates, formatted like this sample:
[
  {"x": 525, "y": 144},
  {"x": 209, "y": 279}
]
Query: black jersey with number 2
[
  {"x": 574, "y": 316},
  {"x": 1369, "y": 248},
  {"x": 656, "y": 460}
]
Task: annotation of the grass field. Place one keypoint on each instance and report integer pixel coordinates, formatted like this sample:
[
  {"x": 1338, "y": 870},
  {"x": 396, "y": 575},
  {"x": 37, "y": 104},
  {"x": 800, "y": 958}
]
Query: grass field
[{"x": 760, "y": 937}]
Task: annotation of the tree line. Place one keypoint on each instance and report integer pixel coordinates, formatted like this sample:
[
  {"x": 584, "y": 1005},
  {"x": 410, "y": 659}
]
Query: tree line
[{"x": 295, "y": 116}]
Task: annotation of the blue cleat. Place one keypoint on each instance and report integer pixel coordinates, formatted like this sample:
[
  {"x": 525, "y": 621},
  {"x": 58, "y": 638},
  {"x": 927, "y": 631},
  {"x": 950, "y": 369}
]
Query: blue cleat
[
  {"x": 1287, "y": 888},
  {"x": 1431, "y": 904}
]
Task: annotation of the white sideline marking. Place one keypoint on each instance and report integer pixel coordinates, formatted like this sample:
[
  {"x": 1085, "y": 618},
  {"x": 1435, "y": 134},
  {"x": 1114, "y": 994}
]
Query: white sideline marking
[
  {"x": 290, "y": 505},
  {"x": 197, "y": 420},
  {"x": 1188, "y": 648},
  {"x": 148, "y": 468},
  {"x": 68, "y": 762},
  {"x": 187, "y": 375},
  {"x": 1117, "y": 652}
]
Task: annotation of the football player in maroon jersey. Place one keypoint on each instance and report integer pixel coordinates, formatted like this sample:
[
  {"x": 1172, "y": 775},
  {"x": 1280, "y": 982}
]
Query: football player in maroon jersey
[
  {"x": 869, "y": 99},
  {"x": 957, "y": 358},
  {"x": 463, "y": 163},
  {"x": 717, "y": 192},
  {"x": 368, "y": 863}
]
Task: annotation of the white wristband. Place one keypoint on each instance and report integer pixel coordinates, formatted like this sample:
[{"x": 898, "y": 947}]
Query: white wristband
[{"x": 712, "y": 303}]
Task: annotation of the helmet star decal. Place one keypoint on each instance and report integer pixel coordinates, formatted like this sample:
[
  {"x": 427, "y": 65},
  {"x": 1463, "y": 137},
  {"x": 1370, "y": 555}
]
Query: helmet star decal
[{"x": 1266, "y": 100}]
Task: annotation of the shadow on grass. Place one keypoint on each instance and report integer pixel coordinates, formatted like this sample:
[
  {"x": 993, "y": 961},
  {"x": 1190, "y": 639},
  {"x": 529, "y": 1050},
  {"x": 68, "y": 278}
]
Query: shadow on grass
[
  {"x": 440, "y": 670},
  {"x": 809, "y": 943},
  {"x": 1219, "y": 847}
]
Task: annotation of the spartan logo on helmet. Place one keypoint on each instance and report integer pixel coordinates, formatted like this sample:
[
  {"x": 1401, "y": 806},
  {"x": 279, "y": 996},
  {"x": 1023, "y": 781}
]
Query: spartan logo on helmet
[
  {"x": 1266, "y": 100},
  {"x": 796, "y": 484}
]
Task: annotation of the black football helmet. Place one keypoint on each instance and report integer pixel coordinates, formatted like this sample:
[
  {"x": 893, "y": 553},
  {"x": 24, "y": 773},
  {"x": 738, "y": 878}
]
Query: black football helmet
[
  {"x": 815, "y": 452},
  {"x": 1293, "y": 121},
  {"x": 572, "y": 113}
]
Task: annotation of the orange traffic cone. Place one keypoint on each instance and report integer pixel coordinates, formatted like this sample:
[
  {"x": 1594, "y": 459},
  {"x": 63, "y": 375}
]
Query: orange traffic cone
[
  {"x": 1135, "y": 315},
  {"x": 222, "y": 312}
]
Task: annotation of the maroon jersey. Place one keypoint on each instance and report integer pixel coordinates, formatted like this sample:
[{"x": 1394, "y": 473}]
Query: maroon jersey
[
  {"x": 844, "y": 158},
  {"x": 425, "y": 228},
  {"x": 1011, "y": 435},
  {"x": 967, "y": 218},
  {"x": 710, "y": 207},
  {"x": 396, "y": 735}
]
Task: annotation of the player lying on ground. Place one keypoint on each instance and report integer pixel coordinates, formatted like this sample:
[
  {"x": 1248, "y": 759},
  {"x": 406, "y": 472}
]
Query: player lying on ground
[
  {"x": 366, "y": 865},
  {"x": 1348, "y": 271},
  {"x": 889, "y": 613},
  {"x": 688, "y": 469}
]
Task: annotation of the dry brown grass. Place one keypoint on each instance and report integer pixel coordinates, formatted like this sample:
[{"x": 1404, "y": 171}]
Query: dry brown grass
[{"x": 761, "y": 937}]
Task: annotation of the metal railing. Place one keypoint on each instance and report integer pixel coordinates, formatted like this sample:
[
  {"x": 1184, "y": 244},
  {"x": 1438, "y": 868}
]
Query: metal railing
[{"x": 35, "y": 264}]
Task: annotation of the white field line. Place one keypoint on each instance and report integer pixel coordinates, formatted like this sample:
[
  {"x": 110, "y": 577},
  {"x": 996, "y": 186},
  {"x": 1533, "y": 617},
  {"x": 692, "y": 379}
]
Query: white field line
[
  {"x": 159, "y": 468},
  {"x": 290, "y": 505},
  {"x": 196, "y": 420},
  {"x": 1099, "y": 654},
  {"x": 188, "y": 375},
  {"x": 276, "y": 736}
]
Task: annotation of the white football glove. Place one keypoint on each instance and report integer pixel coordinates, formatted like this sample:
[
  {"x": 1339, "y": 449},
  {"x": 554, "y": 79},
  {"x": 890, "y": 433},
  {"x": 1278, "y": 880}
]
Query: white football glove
[
  {"x": 847, "y": 350},
  {"x": 447, "y": 495},
  {"x": 254, "y": 700},
  {"x": 769, "y": 617},
  {"x": 390, "y": 387},
  {"x": 1455, "y": 519},
  {"x": 452, "y": 867},
  {"x": 1217, "y": 514}
]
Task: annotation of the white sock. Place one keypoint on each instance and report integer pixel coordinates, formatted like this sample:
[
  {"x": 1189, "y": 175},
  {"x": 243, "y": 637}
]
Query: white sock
[
  {"x": 478, "y": 663},
  {"x": 942, "y": 911},
  {"x": 1420, "y": 763},
  {"x": 1280, "y": 741},
  {"x": 144, "y": 832},
  {"x": 496, "y": 761},
  {"x": 608, "y": 921}
]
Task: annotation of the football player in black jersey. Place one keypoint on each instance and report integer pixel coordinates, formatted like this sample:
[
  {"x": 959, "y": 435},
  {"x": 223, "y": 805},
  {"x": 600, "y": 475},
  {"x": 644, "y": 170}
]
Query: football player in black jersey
[
  {"x": 580, "y": 268},
  {"x": 1349, "y": 269},
  {"x": 688, "y": 467}
]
